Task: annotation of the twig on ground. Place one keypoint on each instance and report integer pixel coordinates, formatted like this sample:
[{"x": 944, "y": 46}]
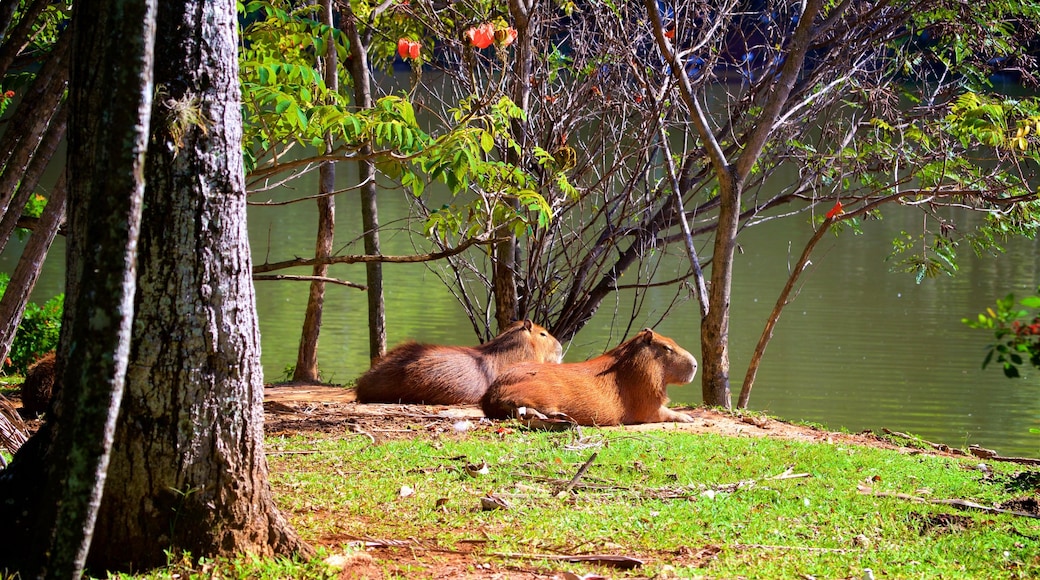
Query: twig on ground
[
  {"x": 947, "y": 449},
  {"x": 620, "y": 562},
  {"x": 577, "y": 476},
  {"x": 959, "y": 503},
  {"x": 804, "y": 548}
]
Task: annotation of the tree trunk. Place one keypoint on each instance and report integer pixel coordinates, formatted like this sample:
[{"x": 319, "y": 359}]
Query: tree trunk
[
  {"x": 27, "y": 128},
  {"x": 188, "y": 472},
  {"x": 33, "y": 173},
  {"x": 359, "y": 73},
  {"x": 505, "y": 266},
  {"x": 27, "y": 272},
  {"x": 307, "y": 358},
  {"x": 109, "y": 109},
  {"x": 15, "y": 38},
  {"x": 715, "y": 326}
]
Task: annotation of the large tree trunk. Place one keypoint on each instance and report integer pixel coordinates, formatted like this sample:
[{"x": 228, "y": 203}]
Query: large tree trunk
[
  {"x": 359, "y": 72},
  {"x": 188, "y": 470},
  {"x": 58, "y": 481},
  {"x": 307, "y": 356}
]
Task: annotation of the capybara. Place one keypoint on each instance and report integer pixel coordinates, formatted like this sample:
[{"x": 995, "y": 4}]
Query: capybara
[
  {"x": 453, "y": 375},
  {"x": 625, "y": 385},
  {"x": 39, "y": 385}
]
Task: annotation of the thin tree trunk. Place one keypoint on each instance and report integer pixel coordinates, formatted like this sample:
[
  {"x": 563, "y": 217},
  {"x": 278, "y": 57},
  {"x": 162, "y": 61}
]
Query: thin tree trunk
[
  {"x": 27, "y": 272},
  {"x": 359, "y": 72},
  {"x": 774, "y": 316},
  {"x": 27, "y": 185},
  {"x": 15, "y": 39},
  {"x": 35, "y": 112},
  {"x": 715, "y": 388},
  {"x": 110, "y": 112},
  {"x": 505, "y": 268},
  {"x": 307, "y": 357},
  {"x": 188, "y": 471}
]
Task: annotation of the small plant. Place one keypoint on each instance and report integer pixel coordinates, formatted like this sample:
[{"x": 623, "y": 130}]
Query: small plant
[
  {"x": 37, "y": 334},
  {"x": 1017, "y": 333}
]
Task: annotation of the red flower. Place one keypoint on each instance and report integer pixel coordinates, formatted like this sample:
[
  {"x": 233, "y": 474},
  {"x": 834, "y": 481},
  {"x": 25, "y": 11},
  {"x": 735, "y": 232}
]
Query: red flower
[
  {"x": 408, "y": 48},
  {"x": 835, "y": 211},
  {"x": 669, "y": 34},
  {"x": 9, "y": 94},
  {"x": 481, "y": 36}
]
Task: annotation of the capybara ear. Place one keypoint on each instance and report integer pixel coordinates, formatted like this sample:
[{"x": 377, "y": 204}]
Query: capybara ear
[
  {"x": 648, "y": 335},
  {"x": 528, "y": 324}
]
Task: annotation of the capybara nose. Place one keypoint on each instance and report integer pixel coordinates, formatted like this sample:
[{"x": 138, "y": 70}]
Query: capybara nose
[{"x": 693, "y": 370}]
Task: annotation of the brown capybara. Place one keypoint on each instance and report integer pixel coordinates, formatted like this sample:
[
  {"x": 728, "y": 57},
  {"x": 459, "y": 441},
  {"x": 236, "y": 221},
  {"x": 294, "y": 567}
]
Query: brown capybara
[
  {"x": 453, "y": 375},
  {"x": 623, "y": 386},
  {"x": 39, "y": 385}
]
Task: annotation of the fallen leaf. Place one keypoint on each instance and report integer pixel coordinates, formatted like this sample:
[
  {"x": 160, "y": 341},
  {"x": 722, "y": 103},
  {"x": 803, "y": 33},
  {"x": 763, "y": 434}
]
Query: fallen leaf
[
  {"x": 491, "y": 502},
  {"x": 475, "y": 469},
  {"x": 406, "y": 491}
]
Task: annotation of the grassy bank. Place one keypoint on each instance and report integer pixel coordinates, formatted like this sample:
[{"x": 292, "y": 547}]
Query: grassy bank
[{"x": 686, "y": 505}]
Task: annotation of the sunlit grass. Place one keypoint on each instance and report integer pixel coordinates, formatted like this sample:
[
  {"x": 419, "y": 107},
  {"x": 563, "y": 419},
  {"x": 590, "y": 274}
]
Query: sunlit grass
[{"x": 657, "y": 495}]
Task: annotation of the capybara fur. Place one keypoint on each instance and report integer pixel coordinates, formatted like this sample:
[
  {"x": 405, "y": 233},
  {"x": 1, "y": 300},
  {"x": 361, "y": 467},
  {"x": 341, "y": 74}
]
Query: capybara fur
[
  {"x": 453, "y": 375},
  {"x": 623, "y": 386},
  {"x": 38, "y": 386}
]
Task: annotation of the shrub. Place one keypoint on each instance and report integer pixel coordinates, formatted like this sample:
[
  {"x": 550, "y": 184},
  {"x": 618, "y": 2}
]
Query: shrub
[{"x": 37, "y": 334}]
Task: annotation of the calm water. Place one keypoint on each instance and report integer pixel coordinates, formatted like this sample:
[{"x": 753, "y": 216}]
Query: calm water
[{"x": 859, "y": 348}]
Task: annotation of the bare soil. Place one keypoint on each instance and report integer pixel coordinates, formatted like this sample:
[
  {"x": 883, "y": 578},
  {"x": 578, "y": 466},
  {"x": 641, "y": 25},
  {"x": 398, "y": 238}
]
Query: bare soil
[{"x": 296, "y": 408}]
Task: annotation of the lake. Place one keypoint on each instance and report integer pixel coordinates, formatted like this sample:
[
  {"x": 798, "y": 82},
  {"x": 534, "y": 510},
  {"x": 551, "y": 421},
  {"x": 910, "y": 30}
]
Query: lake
[{"x": 860, "y": 347}]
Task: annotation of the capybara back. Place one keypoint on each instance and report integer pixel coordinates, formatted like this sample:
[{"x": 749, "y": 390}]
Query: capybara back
[
  {"x": 625, "y": 385},
  {"x": 453, "y": 375},
  {"x": 38, "y": 386}
]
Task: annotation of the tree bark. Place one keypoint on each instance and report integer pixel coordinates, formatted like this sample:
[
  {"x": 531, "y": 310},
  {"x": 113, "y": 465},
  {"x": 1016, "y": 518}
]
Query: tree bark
[
  {"x": 307, "y": 357},
  {"x": 109, "y": 108},
  {"x": 188, "y": 472},
  {"x": 359, "y": 72}
]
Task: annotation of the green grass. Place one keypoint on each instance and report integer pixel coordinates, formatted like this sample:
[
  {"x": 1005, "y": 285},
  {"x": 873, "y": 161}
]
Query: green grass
[
  {"x": 656, "y": 496},
  {"x": 697, "y": 506}
]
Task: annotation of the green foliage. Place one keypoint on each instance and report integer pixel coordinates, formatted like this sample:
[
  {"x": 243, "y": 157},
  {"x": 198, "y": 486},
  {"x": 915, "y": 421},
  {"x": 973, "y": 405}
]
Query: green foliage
[
  {"x": 286, "y": 102},
  {"x": 37, "y": 334},
  {"x": 924, "y": 256},
  {"x": 1016, "y": 329}
]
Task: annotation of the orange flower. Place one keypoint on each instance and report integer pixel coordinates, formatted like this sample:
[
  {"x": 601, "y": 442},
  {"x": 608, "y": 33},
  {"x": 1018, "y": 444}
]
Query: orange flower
[
  {"x": 481, "y": 36},
  {"x": 505, "y": 36},
  {"x": 408, "y": 48},
  {"x": 835, "y": 211}
]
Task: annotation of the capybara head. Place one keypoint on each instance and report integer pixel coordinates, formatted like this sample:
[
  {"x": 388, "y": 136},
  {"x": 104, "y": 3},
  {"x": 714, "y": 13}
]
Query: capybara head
[
  {"x": 651, "y": 350},
  {"x": 531, "y": 342}
]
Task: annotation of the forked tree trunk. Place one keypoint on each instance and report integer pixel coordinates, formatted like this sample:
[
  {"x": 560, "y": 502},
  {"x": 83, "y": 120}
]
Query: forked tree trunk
[
  {"x": 307, "y": 357},
  {"x": 188, "y": 470}
]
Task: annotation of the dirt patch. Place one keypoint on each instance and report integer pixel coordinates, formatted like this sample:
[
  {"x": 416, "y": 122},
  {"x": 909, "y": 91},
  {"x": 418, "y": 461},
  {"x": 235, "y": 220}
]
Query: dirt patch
[{"x": 317, "y": 408}]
